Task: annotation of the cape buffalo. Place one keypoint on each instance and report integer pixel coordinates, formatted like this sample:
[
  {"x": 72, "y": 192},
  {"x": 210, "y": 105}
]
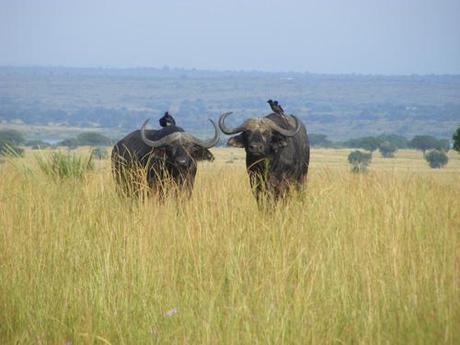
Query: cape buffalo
[
  {"x": 277, "y": 152},
  {"x": 165, "y": 159}
]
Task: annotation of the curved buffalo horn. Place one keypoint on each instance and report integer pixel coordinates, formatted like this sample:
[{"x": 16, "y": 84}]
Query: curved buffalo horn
[
  {"x": 160, "y": 142},
  {"x": 179, "y": 135},
  {"x": 204, "y": 143},
  {"x": 228, "y": 130},
  {"x": 286, "y": 132}
]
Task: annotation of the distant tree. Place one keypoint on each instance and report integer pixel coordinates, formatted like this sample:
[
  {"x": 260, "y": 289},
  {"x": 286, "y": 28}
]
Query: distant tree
[
  {"x": 9, "y": 149},
  {"x": 12, "y": 137},
  {"x": 319, "y": 140},
  {"x": 99, "y": 153},
  {"x": 366, "y": 143},
  {"x": 359, "y": 161},
  {"x": 93, "y": 139},
  {"x": 71, "y": 143},
  {"x": 10, "y": 140},
  {"x": 397, "y": 140},
  {"x": 387, "y": 149},
  {"x": 424, "y": 142},
  {"x": 444, "y": 145},
  {"x": 456, "y": 139},
  {"x": 436, "y": 158},
  {"x": 370, "y": 143},
  {"x": 37, "y": 144}
]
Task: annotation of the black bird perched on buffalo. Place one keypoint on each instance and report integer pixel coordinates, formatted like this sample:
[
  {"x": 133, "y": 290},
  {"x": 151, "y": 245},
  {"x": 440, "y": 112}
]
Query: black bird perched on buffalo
[
  {"x": 163, "y": 160},
  {"x": 167, "y": 120},
  {"x": 276, "y": 108}
]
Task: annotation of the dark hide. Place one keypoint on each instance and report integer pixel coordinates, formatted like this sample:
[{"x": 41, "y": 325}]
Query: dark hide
[
  {"x": 135, "y": 164},
  {"x": 275, "y": 163}
]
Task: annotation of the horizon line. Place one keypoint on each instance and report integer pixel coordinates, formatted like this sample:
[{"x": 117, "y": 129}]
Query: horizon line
[{"x": 167, "y": 68}]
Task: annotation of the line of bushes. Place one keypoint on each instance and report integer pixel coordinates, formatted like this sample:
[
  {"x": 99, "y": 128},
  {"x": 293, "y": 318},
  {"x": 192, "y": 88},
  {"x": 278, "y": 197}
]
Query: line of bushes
[
  {"x": 387, "y": 144},
  {"x": 87, "y": 139},
  {"x": 11, "y": 141}
]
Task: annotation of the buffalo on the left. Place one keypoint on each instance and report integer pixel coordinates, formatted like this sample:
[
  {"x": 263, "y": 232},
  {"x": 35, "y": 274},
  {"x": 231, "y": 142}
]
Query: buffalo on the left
[{"x": 159, "y": 161}]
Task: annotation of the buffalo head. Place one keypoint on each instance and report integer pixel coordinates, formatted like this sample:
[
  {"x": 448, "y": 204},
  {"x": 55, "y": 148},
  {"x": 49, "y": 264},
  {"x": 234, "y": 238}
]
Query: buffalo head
[
  {"x": 180, "y": 150},
  {"x": 259, "y": 136}
]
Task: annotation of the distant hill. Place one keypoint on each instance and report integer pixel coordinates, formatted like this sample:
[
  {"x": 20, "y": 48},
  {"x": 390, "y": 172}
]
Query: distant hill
[{"x": 341, "y": 106}]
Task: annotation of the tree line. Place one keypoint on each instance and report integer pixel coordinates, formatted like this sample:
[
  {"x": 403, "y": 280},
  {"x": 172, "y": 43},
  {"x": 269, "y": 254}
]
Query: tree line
[
  {"x": 389, "y": 144},
  {"x": 372, "y": 143},
  {"x": 12, "y": 141}
]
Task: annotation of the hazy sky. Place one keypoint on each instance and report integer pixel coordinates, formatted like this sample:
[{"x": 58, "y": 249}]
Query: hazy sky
[{"x": 331, "y": 36}]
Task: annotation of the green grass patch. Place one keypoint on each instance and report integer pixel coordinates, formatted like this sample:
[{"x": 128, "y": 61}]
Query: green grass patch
[{"x": 65, "y": 164}]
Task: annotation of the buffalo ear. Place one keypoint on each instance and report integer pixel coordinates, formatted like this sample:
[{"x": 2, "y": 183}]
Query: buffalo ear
[
  {"x": 236, "y": 141},
  {"x": 200, "y": 153}
]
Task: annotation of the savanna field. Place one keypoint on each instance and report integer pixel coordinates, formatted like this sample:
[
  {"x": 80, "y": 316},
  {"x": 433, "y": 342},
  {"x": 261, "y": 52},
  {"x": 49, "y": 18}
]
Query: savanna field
[{"x": 368, "y": 258}]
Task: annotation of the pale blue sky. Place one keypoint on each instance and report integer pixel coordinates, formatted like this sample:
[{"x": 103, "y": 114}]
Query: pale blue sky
[{"x": 331, "y": 36}]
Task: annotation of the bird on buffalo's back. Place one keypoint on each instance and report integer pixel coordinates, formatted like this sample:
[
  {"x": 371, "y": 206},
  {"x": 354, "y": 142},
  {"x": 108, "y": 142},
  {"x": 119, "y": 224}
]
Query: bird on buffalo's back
[
  {"x": 167, "y": 120},
  {"x": 276, "y": 108}
]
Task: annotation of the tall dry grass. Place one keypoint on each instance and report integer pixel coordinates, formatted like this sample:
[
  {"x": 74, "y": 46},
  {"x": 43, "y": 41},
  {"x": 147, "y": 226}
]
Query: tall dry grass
[{"x": 371, "y": 258}]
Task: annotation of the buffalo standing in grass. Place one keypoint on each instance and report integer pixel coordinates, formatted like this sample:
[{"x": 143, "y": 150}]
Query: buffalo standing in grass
[
  {"x": 165, "y": 159},
  {"x": 277, "y": 152}
]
